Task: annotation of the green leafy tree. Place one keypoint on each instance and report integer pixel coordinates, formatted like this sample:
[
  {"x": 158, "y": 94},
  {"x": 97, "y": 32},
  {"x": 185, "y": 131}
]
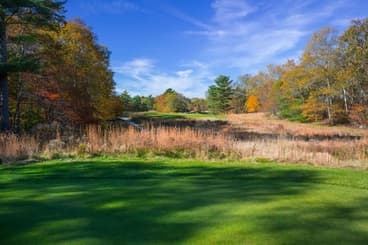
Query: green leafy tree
[
  {"x": 148, "y": 102},
  {"x": 137, "y": 103},
  {"x": 212, "y": 99},
  {"x": 126, "y": 100}
]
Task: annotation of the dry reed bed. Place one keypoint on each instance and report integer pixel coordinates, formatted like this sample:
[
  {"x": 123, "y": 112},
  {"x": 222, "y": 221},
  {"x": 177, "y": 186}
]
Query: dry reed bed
[
  {"x": 186, "y": 142},
  {"x": 323, "y": 153},
  {"x": 260, "y": 123},
  {"x": 13, "y": 147},
  {"x": 197, "y": 143}
]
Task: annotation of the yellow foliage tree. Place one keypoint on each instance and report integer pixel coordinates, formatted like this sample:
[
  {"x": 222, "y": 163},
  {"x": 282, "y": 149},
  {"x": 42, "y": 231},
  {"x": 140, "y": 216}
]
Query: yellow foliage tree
[{"x": 252, "y": 104}]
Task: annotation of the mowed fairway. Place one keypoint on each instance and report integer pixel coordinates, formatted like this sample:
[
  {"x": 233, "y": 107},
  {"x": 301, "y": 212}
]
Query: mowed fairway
[
  {"x": 163, "y": 201},
  {"x": 175, "y": 115}
]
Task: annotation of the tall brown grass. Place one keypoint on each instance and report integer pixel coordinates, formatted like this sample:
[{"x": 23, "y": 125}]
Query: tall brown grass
[
  {"x": 13, "y": 147},
  {"x": 189, "y": 143},
  {"x": 259, "y": 122},
  {"x": 165, "y": 140}
]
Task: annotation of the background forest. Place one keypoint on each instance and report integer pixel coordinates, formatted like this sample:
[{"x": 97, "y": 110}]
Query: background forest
[{"x": 54, "y": 70}]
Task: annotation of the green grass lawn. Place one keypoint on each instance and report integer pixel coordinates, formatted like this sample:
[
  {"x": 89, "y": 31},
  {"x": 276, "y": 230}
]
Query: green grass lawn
[
  {"x": 163, "y": 115},
  {"x": 163, "y": 201}
]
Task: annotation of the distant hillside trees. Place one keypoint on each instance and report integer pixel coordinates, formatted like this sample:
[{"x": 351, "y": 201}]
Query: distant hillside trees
[
  {"x": 171, "y": 101},
  {"x": 136, "y": 103},
  {"x": 198, "y": 105}
]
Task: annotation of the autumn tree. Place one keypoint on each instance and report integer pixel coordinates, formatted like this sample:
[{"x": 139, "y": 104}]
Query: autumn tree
[
  {"x": 198, "y": 104},
  {"x": 293, "y": 90},
  {"x": 239, "y": 93},
  {"x": 329, "y": 82},
  {"x": 353, "y": 50},
  {"x": 262, "y": 86},
  {"x": 30, "y": 13},
  {"x": 252, "y": 104},
  {"x": 76, "y": 84},
  {"x": 171, "y": 101},
  {"x": 85, "y": 79},
  {"x": 319, "y": 61}
]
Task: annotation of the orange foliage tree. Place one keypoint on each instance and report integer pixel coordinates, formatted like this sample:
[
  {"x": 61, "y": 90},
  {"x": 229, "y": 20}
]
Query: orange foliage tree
[{"x": 252, "y": 104}]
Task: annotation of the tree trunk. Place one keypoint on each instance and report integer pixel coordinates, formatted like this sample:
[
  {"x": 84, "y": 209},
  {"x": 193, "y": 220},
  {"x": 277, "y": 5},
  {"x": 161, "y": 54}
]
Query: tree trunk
[
  {"x": 345, "y": 102},
  {"x": 17, "y": 104},
  {"x": 329, "y": 103},
  {"x": 3, "y": 80}
]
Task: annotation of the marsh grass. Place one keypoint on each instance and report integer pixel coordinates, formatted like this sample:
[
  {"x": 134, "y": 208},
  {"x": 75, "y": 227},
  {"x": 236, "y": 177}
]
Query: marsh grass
[
  {"x": 13, "y": 147},
  {"x": 261, "y": 123},
  {"x": 187, "y": 143}
]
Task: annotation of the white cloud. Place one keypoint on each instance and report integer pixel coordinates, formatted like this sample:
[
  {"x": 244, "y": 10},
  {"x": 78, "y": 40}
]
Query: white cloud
[
  {"x": 140, "y": 76},
  {"x": 136, "y": 67}
]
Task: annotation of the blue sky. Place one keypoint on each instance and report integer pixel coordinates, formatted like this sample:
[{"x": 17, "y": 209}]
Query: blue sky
[{"x": 185, "y": 44}]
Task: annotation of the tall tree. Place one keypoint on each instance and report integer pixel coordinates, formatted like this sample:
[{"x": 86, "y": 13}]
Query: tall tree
[
  {"x": 85, "y": 80},
  {"x": 319, "y": 61},
  {"x": 220, "y": 95},
  {"x": 353, "y": 72},
  {"x": 126, "y": 100},
  {"x": 252, "y": 104},
  {"x": 34, "y": 13},
  {"x": 239, "y": 93}
]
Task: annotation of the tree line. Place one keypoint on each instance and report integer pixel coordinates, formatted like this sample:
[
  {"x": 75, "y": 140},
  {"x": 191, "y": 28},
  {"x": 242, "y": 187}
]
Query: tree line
[
  {"x": 51, "y": 69},
  {"x": 168, "y": 101},
  {"x": 328, "y": 83},
  {"x": 55, "y": 70}
]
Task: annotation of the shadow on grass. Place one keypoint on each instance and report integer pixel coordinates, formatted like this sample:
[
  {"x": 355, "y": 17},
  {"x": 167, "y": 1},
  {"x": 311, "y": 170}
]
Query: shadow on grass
[{"x": 156, "y": 202}]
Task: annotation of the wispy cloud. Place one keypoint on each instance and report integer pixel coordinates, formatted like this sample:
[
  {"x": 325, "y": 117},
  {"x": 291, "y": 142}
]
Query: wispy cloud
[
  {"x": 109, "y": 7},
  {"x": 141, "y": 76},
  {"x": 186, "y": 18},
  {"x": 248, "y": 36},
  {"x": 227, "y": 11}
]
